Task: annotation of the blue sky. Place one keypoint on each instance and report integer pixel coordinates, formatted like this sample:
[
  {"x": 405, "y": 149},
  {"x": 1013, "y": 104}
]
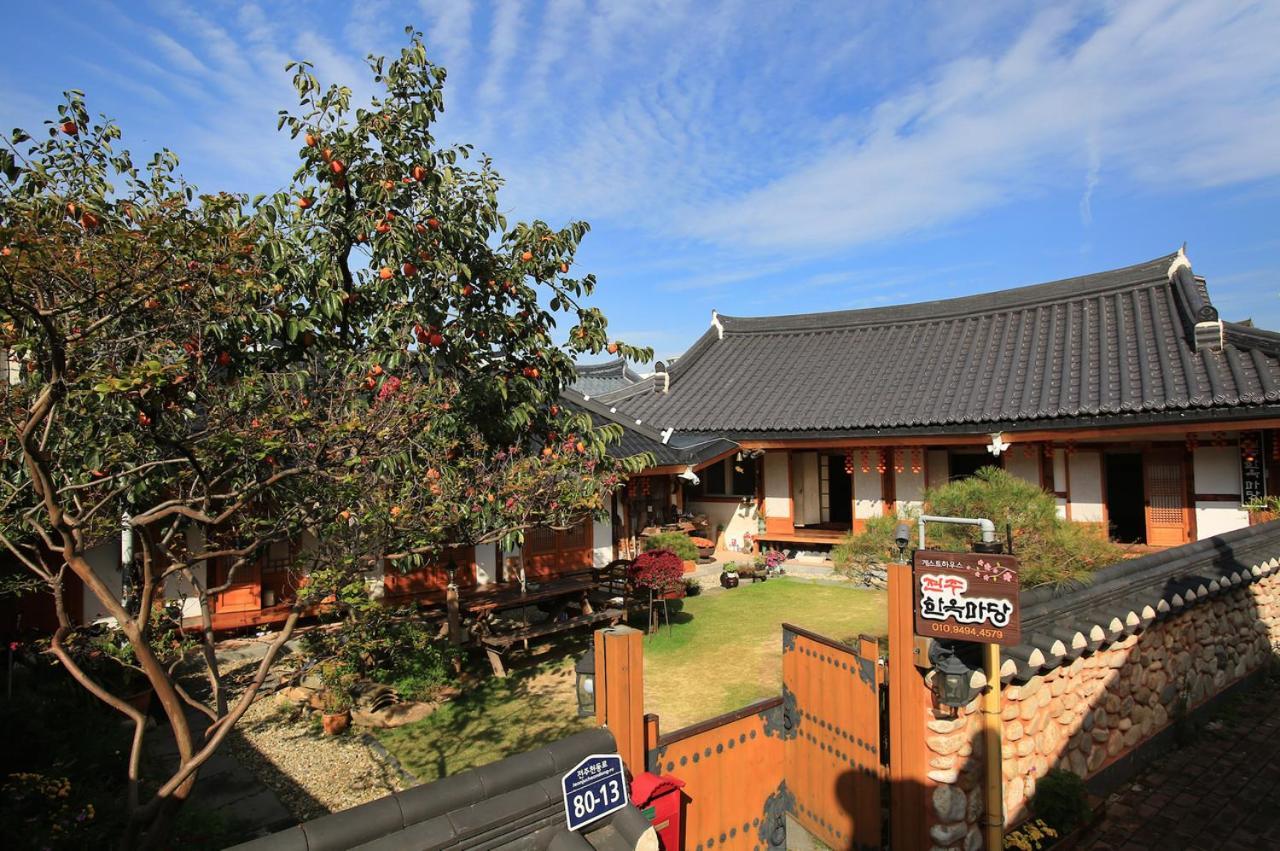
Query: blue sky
[{"x": 755, "y": 157}]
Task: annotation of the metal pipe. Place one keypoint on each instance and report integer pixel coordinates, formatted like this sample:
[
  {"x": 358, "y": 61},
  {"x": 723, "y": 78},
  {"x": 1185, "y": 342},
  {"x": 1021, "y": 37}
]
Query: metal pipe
[{"x": 986, "y": 526}]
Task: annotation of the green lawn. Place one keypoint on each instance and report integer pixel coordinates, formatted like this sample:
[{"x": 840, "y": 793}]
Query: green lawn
[{"x": 723, "y": 651}]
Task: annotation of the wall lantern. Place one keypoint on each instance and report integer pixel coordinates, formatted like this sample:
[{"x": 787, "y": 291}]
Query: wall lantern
[
  {"x": 952, "y": 678},
  {"x": 585, "y": 668}
]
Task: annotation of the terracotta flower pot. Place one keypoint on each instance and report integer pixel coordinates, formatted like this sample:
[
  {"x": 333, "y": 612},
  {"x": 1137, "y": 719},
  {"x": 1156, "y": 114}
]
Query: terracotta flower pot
[{"x": 335, "y": 723}]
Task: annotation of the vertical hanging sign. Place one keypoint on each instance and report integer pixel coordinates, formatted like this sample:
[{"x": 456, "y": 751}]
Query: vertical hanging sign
[{"x": 1253, "y": 467}]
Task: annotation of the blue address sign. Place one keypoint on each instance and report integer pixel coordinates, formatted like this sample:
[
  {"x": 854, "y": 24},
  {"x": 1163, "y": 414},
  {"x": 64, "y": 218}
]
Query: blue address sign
[{"x": 594, "y": 788}]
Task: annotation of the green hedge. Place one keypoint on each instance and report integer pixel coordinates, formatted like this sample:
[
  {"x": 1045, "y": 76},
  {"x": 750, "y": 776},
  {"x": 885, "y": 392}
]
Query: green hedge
[
  {"x": 678, "y": 542},
  {"x": 1051, "y": 549}
]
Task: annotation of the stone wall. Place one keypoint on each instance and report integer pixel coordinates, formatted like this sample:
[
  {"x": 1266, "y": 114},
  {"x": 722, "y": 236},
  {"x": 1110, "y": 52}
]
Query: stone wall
[{"x": 1087, "y": 714}]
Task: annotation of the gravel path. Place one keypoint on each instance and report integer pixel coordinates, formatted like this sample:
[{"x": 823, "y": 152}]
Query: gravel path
[{"x": 312, "y": 773}]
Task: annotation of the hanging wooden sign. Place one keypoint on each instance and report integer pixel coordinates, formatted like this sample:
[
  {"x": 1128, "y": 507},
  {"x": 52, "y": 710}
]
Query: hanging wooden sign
[
  {"x": 1253, "y": 467},
  {"x": 966, "y": 596}
]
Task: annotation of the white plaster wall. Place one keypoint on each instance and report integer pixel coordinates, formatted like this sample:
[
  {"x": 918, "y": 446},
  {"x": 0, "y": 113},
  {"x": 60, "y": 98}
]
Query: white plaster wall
[
  {"x": 601, "y": 546},
  {"x": 806, "y": 496},
  {"x": 1085, "y": 467},
  {"x": 739, "y": 519},
  {"x": 487, "y": 563},
  {"x": 867, "y": 492},
  {"x": 1020, "y": 466},
  {"x": 105, "y": 561},
  {"x": 909, "y": 490},
  {"x": 1216, "y": 470},
  {"x": 1214, "y": 518},
  {"x": 777, "y": 488},
  {"x": 937, "y": 468}
]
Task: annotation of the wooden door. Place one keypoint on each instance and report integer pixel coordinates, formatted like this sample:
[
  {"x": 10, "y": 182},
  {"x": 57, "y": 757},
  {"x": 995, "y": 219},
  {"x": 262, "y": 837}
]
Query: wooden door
[
  {"x": 806, "y": 488},
  {"x": 244, "y": 595},
  {"x": 1168, "y": 511}
]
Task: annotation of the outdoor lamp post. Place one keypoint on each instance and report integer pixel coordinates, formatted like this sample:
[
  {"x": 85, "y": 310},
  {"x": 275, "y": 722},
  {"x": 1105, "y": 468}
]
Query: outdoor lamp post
[
  {"x": 585, "y": 668},
  {"x": 952, "y": 678}
]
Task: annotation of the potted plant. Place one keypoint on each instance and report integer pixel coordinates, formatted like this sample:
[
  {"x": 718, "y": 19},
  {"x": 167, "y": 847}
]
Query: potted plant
[
  {"x": 729, "y": 576},
  {"x": 706, "y": 549},
  {"x": 339, "y": 682},
  {"x": 1262, "y": 510},
  {"x": 677, "y": 542}
]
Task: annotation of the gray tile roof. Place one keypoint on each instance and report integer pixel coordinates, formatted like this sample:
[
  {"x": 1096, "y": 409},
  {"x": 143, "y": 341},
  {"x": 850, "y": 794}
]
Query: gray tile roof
[
  {"x": 1113, "y": 344},
  {"x": 677, "y": 449},
  {"x": 596, "y": 378}
]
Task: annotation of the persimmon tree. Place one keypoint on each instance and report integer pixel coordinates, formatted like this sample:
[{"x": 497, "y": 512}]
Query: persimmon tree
[{"x": 366, "y": 362}]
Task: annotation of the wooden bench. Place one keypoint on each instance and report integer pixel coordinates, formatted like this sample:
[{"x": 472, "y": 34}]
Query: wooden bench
[
  {"x": 614, "y": 588},
  {"x": 496, "y": 645}
]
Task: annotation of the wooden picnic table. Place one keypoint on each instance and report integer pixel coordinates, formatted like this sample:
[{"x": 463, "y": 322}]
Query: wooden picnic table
[{"x": 483, "y": 606}]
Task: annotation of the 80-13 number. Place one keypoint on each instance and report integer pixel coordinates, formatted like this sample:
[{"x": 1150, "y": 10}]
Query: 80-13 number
[{"x": 588, "y": 802}]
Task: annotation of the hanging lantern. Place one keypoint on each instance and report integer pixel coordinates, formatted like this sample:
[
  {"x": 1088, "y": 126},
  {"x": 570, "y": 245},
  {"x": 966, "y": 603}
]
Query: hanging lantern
[
  {"x": 882, "y": 463},
  {"x": 1248, "y": 450},
  {"x": 866, "y": 461},
  {"x": 1192, "y": 442},
  {"x": 848, "y": 463},
  {"x": 1028, "y": 450},
  {"x": 1048, "y": 451},
  {"x": 917, "y": 460},
  {"x": 1275, "y": 446},
  {"x": 585, "y": 672}
]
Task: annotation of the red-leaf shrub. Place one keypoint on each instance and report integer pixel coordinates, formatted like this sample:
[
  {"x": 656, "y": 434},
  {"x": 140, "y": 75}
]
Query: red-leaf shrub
[{"x": 661, "y": 570}]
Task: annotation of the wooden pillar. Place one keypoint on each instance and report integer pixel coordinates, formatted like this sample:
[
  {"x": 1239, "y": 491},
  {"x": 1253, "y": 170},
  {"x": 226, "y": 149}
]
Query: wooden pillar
[
  {"x": 619, "y": 689},
  {"x": 908, "y": 698}
]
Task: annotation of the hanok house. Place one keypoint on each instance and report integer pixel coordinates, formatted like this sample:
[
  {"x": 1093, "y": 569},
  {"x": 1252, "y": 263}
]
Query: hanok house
[
  {"x": 264, "y": 591},
  {"x": 1122, "y": 392}
]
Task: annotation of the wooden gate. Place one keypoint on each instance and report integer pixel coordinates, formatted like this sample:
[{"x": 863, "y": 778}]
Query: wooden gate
[
  {"x": 813, "y": 754},
  {"x": 832, "y": 751},
  {"x": 732, "y": 770}
]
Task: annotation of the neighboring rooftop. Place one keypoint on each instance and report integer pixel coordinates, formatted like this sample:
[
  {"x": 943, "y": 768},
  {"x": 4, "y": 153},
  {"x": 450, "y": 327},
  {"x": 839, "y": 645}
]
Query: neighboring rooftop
[
  {"x": 1141, "y": 342},
  {"x": 668, "y": 448},
  {"x": 596, "y": 378}
]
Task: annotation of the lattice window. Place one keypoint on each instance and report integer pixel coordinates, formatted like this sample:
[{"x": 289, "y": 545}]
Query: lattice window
[
  {"x": 1164, "y": 493},
  {"x": 540, "y": 540},
  {"x": 577, "y": 537}
]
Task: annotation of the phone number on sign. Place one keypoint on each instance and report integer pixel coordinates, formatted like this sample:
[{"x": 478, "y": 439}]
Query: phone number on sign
[{"x": 965, "y": 629}]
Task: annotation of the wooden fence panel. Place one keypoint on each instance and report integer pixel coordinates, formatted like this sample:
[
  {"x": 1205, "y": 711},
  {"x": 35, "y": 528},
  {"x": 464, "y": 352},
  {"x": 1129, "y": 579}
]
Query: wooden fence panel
[
  {"x": 732, "y": 770},
  {"x": 831, "y": 714}
]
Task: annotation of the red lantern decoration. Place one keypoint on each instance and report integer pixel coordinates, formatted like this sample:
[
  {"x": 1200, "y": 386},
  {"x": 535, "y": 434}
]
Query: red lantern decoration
[
  {"x": 883, "y": 462},
  {"x": 897, "y": 461},
  {"x": 917, "y": 460},
  {"x": 866, "y": 461}
]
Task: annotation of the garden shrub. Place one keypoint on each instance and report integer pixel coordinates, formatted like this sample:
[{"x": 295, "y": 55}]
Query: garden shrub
[
  {"x": 692, "y": 588},
  {"x": 871, "y": 547},
  {"x": 677, "y": 542},
  {"x": 1050, "y": 548},
  {"x": 390, "y": 646},
  {"x": 662, "y": 570},
  {"x": 1061, "y": 800}
]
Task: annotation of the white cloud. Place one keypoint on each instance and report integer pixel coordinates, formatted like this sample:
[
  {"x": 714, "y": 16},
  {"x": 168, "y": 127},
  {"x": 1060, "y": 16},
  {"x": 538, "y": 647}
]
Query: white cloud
[{"x": 1177, "y": 92}]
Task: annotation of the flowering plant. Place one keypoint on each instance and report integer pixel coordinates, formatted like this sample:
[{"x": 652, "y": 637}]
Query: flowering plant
[{"x": 662, "y": 570}]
